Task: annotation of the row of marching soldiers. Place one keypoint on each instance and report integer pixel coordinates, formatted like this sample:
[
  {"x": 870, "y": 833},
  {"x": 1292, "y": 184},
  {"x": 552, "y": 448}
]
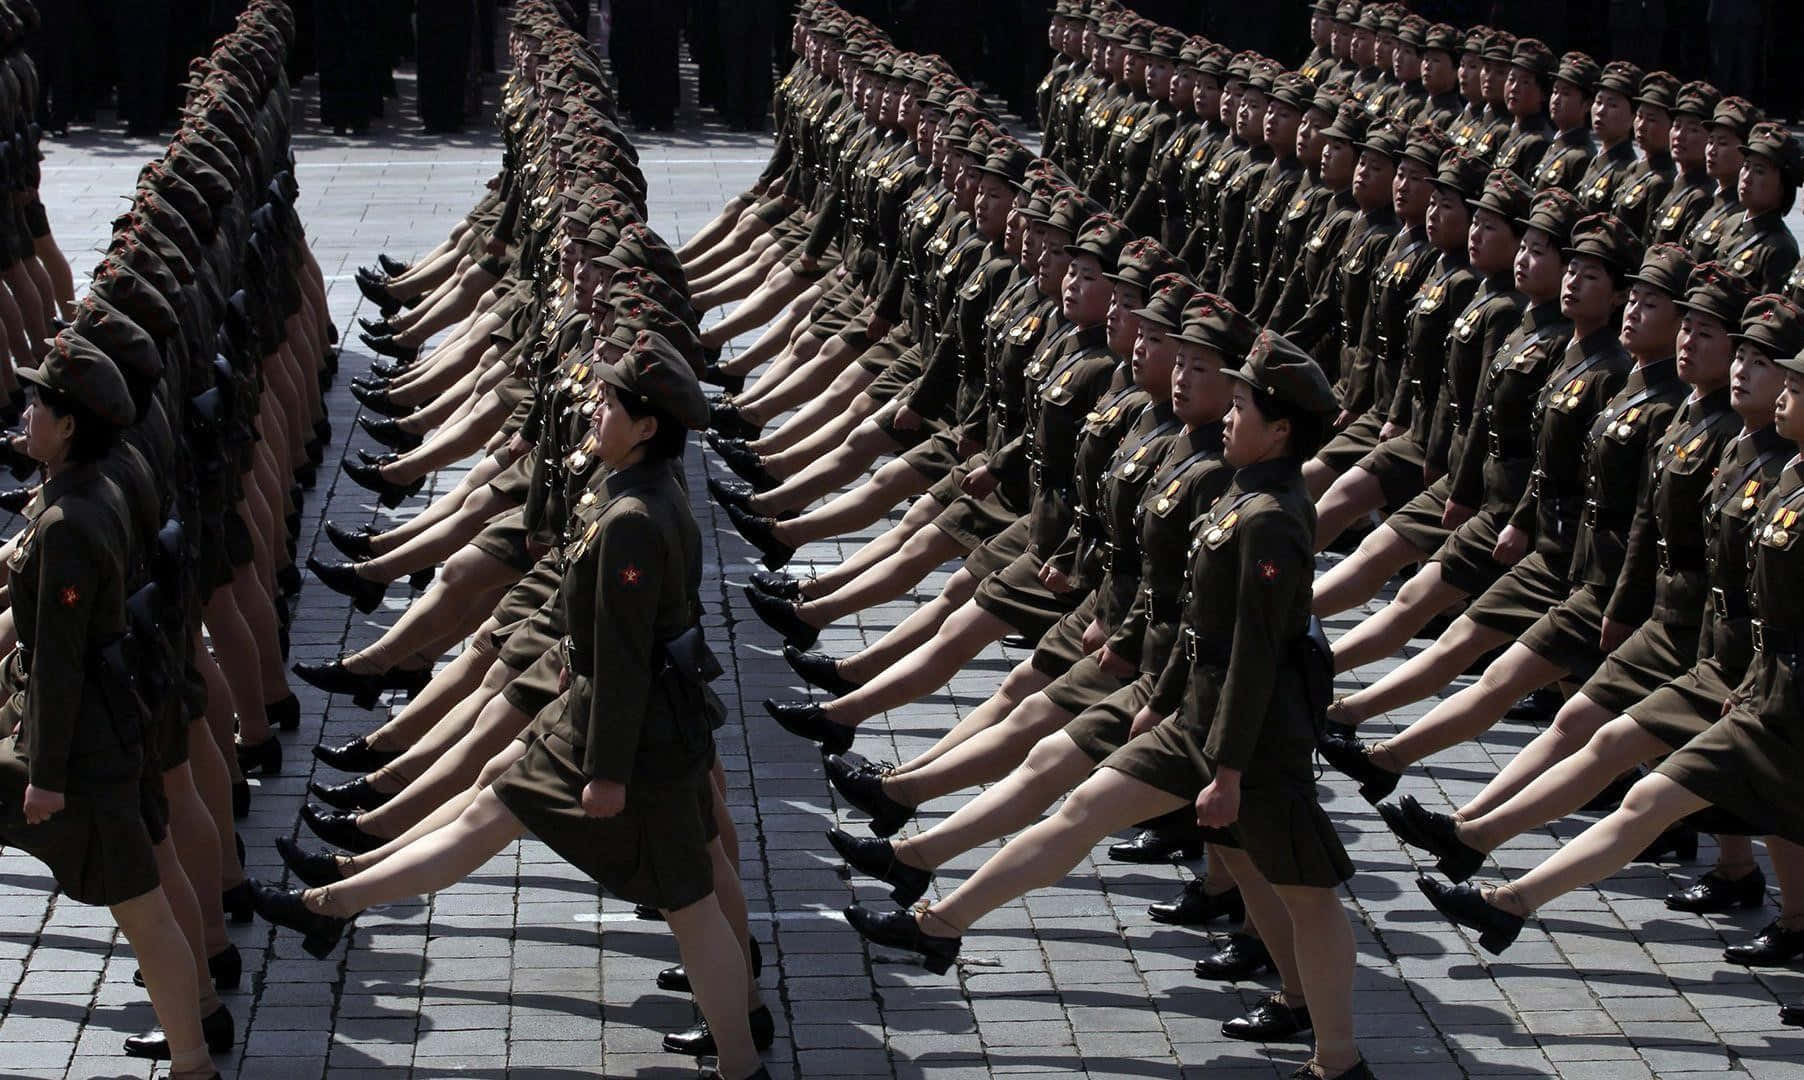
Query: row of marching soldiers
[
  {"x": 1531, "y": 309},
  {"x": 168, "y": 432}
]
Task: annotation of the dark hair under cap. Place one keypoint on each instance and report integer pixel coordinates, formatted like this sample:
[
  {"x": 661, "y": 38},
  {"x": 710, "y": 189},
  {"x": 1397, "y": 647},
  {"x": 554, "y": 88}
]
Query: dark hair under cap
[{"x": 79, "y": 372}]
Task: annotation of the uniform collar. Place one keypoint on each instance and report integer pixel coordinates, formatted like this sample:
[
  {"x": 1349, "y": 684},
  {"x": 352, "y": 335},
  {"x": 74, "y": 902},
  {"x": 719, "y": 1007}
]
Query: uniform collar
[
  {"x": 1205, "y": 439},
  {"x": 66, "y": 480},
  {"x": 1578, "y": 136},
  {"x": 1543, "y": 314},
  {"x": 640, "y": 474},
  {"x": 1654, "y": 375},
  {"x": 1273, "y": 475}
]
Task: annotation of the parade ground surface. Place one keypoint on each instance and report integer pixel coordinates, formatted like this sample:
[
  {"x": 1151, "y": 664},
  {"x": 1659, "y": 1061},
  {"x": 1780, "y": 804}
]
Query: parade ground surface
[{"x": 525, "y": 971}]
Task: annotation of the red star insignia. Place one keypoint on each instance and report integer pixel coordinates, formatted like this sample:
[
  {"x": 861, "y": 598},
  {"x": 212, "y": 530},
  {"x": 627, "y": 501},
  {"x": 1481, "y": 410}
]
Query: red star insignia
[
  {"x": 1268, "y": 570},
  {"x": 70, "y": 596},
  {"x": 629, "y": 576}
]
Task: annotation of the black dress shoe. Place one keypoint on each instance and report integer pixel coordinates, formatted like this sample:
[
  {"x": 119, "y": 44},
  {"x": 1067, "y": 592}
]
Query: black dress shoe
[
  {"x": 748, "y": 466},
  {"x": 780, "y": 615},
  {"x": 353, "y": 544},
  {"x": 351, "y": 795},
  {"x": 377, "y": 293},
  {"x": 863, "y": 788},
  {"x": 284, "y": 715},
  {"x": 1791, "y": 1015},
  {"x": 226, "y": 967},
  {"x": 726, "y": 380},
  {"x": 313, "y": 868},
  {"x": 776, "y": 583},
  {"x": 387, "y": 431},
  {"x": 730, "y": 491},
  {"x": 369, "y": 386},
  {"x": 725, "y": 417},
  {"x": 283, "y": 907},
  {"x": 335, "y": 678},
  {"x": 356, "y": 756},
  {"x": 1466, "y": 906},
  {"x": 387, "y": 492},
  {"x": 819, "y": 670},
  {"x": 1435, "y": 833},
  {"x": 898, "y": 930},
  {"x": 1679, "y": 843},
  {"x": 343, "y": 579},
  {"x": 216, "y": 1027},
  {"x": 1243, "y": 957},
  {"x": 386, "y": 345},
  {"x": 1537, "y": 707},
  {"x": 392, "y": 267},
  {"x": 236, "y": 901},
  {"x": 1160, "y": 844},
  {"x": 17, "y": 499},
  {"x": 379, "y": 327},
  {"x": 806, "y": 719},
  {"x": 339, "y": 828},
  {"x": 876, "y": 858},
  {"x": 1713, "y": 894},
  {"x": 676, "y": 978},
  {"x": 1269, "y": 1021},
  {"x": 1350, "y": 756},
  {"x": 384, "y": 369},
  {"x": 1196, "y": 905},
  {"x": 378, "y": 400},
  {"x": 241, "y": 800},
  {"x": 760, "y": 532},
  {"x": 262, "y": 759},
  {"x": 698, "y": 1041},
  {"x": 1358, "y": 1071},
  {"x": 1774, "y": 945}
]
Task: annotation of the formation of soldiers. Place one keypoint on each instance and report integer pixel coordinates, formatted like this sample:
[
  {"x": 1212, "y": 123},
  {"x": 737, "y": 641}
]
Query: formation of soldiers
[{"x": 170, "y": 427}]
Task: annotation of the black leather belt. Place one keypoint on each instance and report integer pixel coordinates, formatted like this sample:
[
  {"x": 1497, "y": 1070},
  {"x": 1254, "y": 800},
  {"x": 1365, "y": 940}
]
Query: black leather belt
[
  {"x": 1682, "y": 560},
  {"x": 1782, "y": 641},
  {"x": 1502, "y": 446},
  {"x": 1199, "y": 650},
  {"x": 1729, "y": 605}
]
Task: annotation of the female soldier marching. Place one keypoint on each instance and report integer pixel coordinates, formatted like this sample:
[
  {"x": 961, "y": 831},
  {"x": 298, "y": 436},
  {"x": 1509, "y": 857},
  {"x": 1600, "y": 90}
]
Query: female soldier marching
[{"x": 614, "y": 774}]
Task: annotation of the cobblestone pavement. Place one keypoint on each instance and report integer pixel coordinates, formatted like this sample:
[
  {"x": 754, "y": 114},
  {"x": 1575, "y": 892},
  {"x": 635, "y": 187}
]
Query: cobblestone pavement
[{"x": 524, "y": 970}]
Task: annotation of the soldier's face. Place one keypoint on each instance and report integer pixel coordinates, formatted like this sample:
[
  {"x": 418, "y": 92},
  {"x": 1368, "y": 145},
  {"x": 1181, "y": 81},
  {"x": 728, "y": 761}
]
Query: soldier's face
[
  {"x": 1158, "y": 77},
  {"x": 1491, "y": 242},
  {"x": 1026, "y": 241},
  {"x": 1182, "y": 91},
  {"x": 1340, "y": 39},
  {"x": 1588, "y": 296},
  {"x": 1448, "y": 220},
  {"x": 1384, "y": 53},
  {"x": 1705, "y": 351},
  {"x": 1612, "y": 117},
  {"x": 1372, "y": 180},
  {"x": 1567, "y": 106},
  {"x": 1521, "y": 93},
  {"x": 966, "y": 192},
  {"x": 1309, "y": 137},
  {"x": 1133, "y": 68},
  {"x": 1086, "y": 291},
  {"x": 1247, "y": 436},
  {"x": 1409, "y": 190},
  {"x": 1206, "y": 98},
  {"x": 1321, "y": 30},
  {"x": 1788, "y": 410},
  {"x": 1055, "y": 263},
  {"x": 1497, "y": 76},
  {"x": 1364, "y": 50},
  {"x": 617, "y": 433},
  {"x": 1723, "y": 156},
  {"x": 1154, "y": 350},
  {"x": 47, "y": 435},
  {"x": 1687, "y": 140},
  {"x": 1230, "y": 103},
  {"x": 1281, "y": 122},
  {"x": 994, "y": 200},
  {"x": 1539, "y": 268},
  {"x": 1249, "y": 120},
  {"x": 1124, "y": 325},
  {"x": 1438, "y": 75},
  {"x": 1199, "y": 391},
  {"x": 1407, "y": 63},
  {"x": 1653, "y": 129},
  {"x": 1754, "y": 384},
  {"x": 1471, "y": 76},
  {"x": 1338, "y": 161},
  {"x": 1760, "y": 187}
]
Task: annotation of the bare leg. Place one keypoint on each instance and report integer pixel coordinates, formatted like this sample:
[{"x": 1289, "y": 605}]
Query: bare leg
[
  {"x": 1353, "y": 495},
  {"x": 1576, "y": 725},
  {"x": 705, "y": 940},
  {"x": 1023, "y": 681},
  {"x": 169, "y": 976},
  {"x": 214, "y": 784},
  {"x": 1053, "y": 766},
  {"x": 196, "y": 844},
  {"x": 1357, "y": 578},
  {"x": 826, "y": 421},
  {"x": 922, "y": 552},
  {"x": 449, "y": 686},
  {"x": 440, "y": 859},
  {"x": 913, "y": 632},
  {"x": 496, "y": 724},
  {"x": 455, "y": 605},
  {"x": 1421, "y": 599},
  {"x": 1427, "y": 672},
  {"x": 1653, "y": 804},
  {"x": 1471, "y": 712},
  {"x": 982, "y": 758}
]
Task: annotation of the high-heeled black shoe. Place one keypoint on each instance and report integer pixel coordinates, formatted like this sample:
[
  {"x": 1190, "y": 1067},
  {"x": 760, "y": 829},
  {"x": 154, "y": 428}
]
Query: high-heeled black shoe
[
  {"x": 1466, "y": 906},
  {"x": 394, "y": 268},
  {"x": 746, "y": 464},
  {"x": 387, "y": 345},
  {"x": 1159, "y": 844},
  {"x": 806, "y": 719},
  {"x": 1241, "y": 957},
  {"x": 237, "y": 903},
  {"x": 898, "y": 930},
  {"x": 351, "y": 795},
  {"x": 726, "y": 380},
  {"x": 390, "y": 433},
  {"x": 377, "y": 461},
  {"x": 264, "y": 758},
  {"x": 863, "y": 788},
  {"x": 389, "y": 493},
  {"x": 356, "y": 756},
  {"x": 1435, "y": 833},
  {"x": 378, "y": 400},
  {"x": 284, "y": 715},
  {"x": 676, "y": 979},
  {"x": 761, "y": 532},
  {"x": 354, "y": 544},
  {"x": 1713, "y": 894},
  {"x": 217, "y": 1027},
  {"x": 384, "y": 369},
  {"x": 1359, "y": 1070},
  {"x": 1676, "y": 844},
  {"x": 368, "y": 385},
  {"x": 1269, "y": 1021},
  {"x": 819, "y": 671},
  {"x": 283, "y": 907},
  {"x": 335, "y": 678},
  {"x": 698, "y": 1041},
  {"x": 1196, "y": 905},
  {"x": 241, "y": 800},
  {"x": 731, "y": 491},
  {"x": 375, "y": 326},
  {"x": 377, "y": 293},
  {"x": 780, "y": 615},
  {"x": 313, "y": 868},
  {"x": 226, "y": 967},
  {"x": 1352, "y": 757},
  {"x": 1791, "y": 1015},
  {"x": 340, "y": 829},
  {"x": 875, "y": 858},
  {"x": 1774, "y": 945},
  {"x": 343, "y": 579},
  {"x": 776, "y": 583}
]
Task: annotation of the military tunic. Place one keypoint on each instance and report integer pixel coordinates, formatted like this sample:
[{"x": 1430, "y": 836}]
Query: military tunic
[
  {"x": 1607, "y": 174},
  {"x": 1682, "y": 208},
  {"x": 1760, "y": 248},
  {"x": 1565, "y": 162}
]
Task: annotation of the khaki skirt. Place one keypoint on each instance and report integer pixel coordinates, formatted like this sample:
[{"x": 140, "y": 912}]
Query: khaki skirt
[
  {"x": 1418, "y": 521},
  {"x": 1397, "y": 466},
  {"x": 1748, "y": 763},
  {"x": 1654, "y": 655},
  {"x": 1518, "y": 599},
  {"x": 1014, "y": 595},
  {"x": 98, "y": 847},
  {"x": 1568, "y": 633}
]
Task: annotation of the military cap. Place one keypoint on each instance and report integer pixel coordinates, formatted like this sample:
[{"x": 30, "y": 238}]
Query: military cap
[
  {"x": 1697, "y": 98},
  {"x": 1191, "y": 55},
  {"x": 1167, "y": 43},
  {"x": 1324, "y": 8},
  {"x": 1262, "y": 76},
  {"x": 1554, "y": 211},
  {"x": 653, "y": 369},
  {"x": 1069, "y": 210},
  {"x": 1659, "y": 90},
  {"x": 1442, "y": 37},
  {"x": 1212, "y": 322},
  {"x": 1412, "y": 30},
  {"x": 76, "y": 369},
  {"x": 1506, "y": 195},
  {"x": 1622, "y": 77},
  {"x": 1461, "y": 172},
  {"x": 1608, "y": 238},
  {"x": 1169, "y": 293},
  {"x": 1278, "y": 368},
  {"x": 1775, "y": 143},
  {"x": 1773, "y": 323},
  {"x": 127, "y": 344},
  {"x": 1425, "y": 146},
  {"x": 1580, "y": 70},
  {"x": 1667, "y": 267},
  {"x": 1347, "y": 11},
  {"x": 1371, "y": 17},
  {"x": 1139, "y": 37},
  {"x": 1500, "y": 46},
  {"x": 1142, "y": 260},
  {"x": 1349, "y": 124},
  {"x": 1713, "y": 289},
  {"x": 1738, "y": 114},
  {"x": 1532, "y": 55},
  {"x": 1475, "y": 40},
  {"x": 136, "y": 296},
  {"x": 1103, "y": 237},
  {"x": 1386, "y": 138},
  {"x": 639, "y": 312},
  {"x": 1293, "y": 90},
  {"x": 1214, "y": 61},
  {"x": 1008, "y": 159},
  {"x": 1239, "y": 66},
  {"x": 1328, "y": 99}
]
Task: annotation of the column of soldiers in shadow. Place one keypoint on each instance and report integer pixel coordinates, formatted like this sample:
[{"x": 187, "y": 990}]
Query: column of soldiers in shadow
[{"x": 169, "y": 427}]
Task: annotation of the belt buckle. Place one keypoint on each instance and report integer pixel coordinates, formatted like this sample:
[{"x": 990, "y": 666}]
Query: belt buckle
[
  {"x": 1190, "y": 645},
  {"x": 1665, "y": 555},
  {"x": 1719, "y": 601},
  {"x": 1494, "y": 443},
  {"x": 1758, "y": 629}
]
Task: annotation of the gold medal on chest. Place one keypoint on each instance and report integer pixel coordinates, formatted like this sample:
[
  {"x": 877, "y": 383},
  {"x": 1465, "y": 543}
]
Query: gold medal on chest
[
  {"x": 1626, "y": 426},
  {"x": 1748, "y": 495}
]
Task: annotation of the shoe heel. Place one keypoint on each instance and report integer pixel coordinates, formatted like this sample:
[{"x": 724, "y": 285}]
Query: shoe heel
[
  {"x": 1495, "y": 941},
  {"x": 366, "y": 699},
  {"x": 319, "y": 946},
  {"x": 938, "y": 964},
  {"x": 420, "y": 579},
  {"x": 237, "y": 903}
]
